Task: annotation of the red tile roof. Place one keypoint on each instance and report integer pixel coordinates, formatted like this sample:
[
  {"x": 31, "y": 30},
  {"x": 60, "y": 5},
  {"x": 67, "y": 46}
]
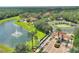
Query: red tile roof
[{"x": 65, "y": 35}]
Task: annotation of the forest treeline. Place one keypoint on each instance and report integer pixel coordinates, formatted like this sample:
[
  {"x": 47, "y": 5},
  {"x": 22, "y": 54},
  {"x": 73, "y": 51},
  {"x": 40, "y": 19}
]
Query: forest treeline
[{"x": 66, "y": 12}]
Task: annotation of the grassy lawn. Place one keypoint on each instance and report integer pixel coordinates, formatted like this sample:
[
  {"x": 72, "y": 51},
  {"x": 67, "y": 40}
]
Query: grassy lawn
[
  {"x": 8, "y": 19},
  {"x": 5, "y": 49},
  {"x": 40, "y": 35},
  {"x": 30, "y": 27},
  {"x": 63, "y": 25},
  {"x": 27, "y": 26}
]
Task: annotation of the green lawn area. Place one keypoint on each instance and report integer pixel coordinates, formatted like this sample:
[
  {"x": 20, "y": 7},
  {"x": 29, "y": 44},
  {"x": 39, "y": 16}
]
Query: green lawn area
[
  {"x": 8, "y": 19},
  {"x": 30, "y": 27},
  {"x": 40, "y": 35},
  {"x": 6, "y": 49},
  {"x": 27, "y": 26},
  {"x": 63, "y": 25}
]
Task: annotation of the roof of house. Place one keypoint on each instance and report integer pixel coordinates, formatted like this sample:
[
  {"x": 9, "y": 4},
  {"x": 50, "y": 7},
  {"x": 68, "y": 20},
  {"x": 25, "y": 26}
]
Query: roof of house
[{"x": 65, "y": 35}]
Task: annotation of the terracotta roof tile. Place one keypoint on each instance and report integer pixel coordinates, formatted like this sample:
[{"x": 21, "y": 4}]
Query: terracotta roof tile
[{"x": 65, "y": 36}]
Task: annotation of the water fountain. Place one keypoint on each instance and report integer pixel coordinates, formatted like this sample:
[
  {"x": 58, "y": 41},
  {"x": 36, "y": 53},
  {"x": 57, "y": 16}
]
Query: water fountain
[{"x": 16, "y": 33}]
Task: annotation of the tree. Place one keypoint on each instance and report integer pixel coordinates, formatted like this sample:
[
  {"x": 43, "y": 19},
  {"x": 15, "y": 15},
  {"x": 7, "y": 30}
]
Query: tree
[
  {"x": 74, "y": 50},
  {"x": 76, "y": 38},
  {"x": 21, "y": 48},
  {"x": 43, "y": 26},
  {"x": 58, "y": 30},
  {"x": 36, "y": 41},
  {"x": 6, "y": 12},
  {"x": 33, "y": 33}
]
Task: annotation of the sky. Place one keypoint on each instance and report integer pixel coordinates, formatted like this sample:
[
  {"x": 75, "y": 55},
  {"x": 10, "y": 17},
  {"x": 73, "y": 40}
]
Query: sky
[{"x": 39, "y": 3}]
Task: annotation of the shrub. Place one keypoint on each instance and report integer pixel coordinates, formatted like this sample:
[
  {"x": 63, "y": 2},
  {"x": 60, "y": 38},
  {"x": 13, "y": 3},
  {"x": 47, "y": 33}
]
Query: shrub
[{"x": 57, "y": 45}]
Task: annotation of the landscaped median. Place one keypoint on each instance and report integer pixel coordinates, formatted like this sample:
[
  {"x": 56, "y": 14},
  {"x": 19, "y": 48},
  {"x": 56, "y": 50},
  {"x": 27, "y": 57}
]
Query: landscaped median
[{"x": 31, "y": 28}]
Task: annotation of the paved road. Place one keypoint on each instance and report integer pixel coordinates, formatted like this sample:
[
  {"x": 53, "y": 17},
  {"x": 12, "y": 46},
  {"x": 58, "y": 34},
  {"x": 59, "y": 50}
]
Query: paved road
[{"x": 44, "y": 43}]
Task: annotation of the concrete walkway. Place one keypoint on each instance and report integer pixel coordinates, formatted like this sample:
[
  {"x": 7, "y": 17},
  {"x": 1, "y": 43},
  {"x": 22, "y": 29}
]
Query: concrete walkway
[{"x": 51, "y": 49}]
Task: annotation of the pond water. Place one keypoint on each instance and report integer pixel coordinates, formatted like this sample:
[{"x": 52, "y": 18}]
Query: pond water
[{"x": 6, "y": 37}]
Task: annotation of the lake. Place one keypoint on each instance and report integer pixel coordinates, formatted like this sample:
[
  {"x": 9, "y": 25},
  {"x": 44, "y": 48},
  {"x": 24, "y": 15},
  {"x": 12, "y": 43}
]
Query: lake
[{"x": 6, "y": 37}]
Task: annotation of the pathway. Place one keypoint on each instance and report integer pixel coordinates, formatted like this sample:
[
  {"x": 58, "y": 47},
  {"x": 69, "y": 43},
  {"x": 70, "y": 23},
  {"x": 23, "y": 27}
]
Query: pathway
[{"x": 51, "y": 49}]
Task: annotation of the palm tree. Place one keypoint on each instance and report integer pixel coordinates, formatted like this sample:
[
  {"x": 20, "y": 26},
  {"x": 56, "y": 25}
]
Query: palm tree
[
  {"x": 33, "y": 33},
  {"x": 36, "y": 40},
  {"x": 58, "y": 30},
  {"x": 32, "y": 39}
]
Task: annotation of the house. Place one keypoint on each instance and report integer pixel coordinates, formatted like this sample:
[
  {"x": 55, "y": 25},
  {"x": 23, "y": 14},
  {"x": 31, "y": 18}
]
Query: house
[
  {"x": 59, "y": 18},
  {"x": 63, "y": 37},
  {"x": 32, "y": 19},
  {"x": 46, "y": 14}
]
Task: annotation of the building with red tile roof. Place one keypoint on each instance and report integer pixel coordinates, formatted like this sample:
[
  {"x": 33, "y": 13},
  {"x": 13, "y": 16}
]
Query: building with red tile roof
[{"x": 63, "y": 35}]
